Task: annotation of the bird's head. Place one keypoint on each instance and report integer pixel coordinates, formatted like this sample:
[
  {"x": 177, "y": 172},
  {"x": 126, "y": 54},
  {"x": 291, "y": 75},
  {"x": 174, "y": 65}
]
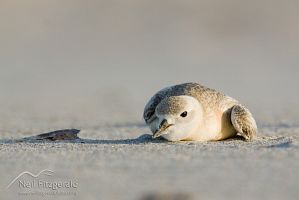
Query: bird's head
[{"x": 178, "y": 117}]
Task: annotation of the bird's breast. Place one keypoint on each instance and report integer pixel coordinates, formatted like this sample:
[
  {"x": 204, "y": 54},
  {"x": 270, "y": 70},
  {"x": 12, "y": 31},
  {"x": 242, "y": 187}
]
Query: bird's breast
[{"x": 215, "y": 126}]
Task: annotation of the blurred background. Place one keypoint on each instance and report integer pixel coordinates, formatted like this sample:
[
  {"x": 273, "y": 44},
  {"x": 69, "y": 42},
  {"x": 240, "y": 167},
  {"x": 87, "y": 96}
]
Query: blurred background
[{"x": 83, "y": 63}]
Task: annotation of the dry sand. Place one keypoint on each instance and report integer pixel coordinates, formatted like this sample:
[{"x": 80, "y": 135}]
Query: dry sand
[{"x": 123, "y": 162}]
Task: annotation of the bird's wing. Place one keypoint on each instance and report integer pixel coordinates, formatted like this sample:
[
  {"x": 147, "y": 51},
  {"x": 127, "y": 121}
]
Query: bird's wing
[
  {"x": 243, "y": 122},
  {"x": 150, "y": 107}
]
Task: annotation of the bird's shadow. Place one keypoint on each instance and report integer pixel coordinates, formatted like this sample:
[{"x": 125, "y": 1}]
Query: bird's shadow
[{"x": 145, "y": 138}]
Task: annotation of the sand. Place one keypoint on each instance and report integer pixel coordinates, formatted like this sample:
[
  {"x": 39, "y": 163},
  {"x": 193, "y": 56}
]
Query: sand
[{"x": 123, "y": 162}]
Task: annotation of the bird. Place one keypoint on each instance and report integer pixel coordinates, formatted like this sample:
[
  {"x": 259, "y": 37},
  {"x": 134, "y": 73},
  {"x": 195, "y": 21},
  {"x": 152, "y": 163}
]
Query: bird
[{"x": 193, "y": 112}]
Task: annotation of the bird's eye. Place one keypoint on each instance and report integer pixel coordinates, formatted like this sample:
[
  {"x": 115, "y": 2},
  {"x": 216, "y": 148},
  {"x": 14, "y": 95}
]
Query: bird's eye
[{"x": 184, "y": 114}]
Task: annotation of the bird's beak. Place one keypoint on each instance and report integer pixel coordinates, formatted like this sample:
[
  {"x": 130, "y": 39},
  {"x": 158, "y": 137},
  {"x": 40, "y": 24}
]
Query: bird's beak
[{"x": 162, "y": 127}]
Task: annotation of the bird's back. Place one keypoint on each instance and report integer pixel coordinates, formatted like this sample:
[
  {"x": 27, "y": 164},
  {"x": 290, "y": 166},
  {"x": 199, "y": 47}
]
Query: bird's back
[{"x": 209, "y": 98}]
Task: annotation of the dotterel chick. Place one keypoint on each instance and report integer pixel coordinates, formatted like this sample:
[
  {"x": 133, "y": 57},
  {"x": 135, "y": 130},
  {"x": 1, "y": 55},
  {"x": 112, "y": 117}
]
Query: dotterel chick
[{"x": 194, "y": 112}]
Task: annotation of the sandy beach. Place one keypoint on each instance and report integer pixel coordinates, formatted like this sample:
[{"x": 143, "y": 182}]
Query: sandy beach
[{"x": 123, "y": 162}]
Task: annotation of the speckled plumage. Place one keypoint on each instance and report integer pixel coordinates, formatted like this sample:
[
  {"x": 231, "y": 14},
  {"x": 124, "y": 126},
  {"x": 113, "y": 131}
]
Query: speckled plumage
[
  {"x": 230, "y": 111},
  {"x": 207, "y": 97}
]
